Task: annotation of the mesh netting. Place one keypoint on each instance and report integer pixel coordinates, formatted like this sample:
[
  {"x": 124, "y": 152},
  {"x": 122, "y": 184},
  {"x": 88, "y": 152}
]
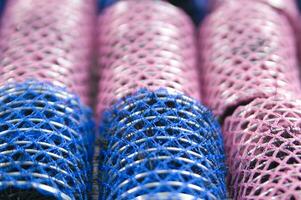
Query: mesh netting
[
  {"x": 263, "y": 144},
  {"x": 288, "y": 7},
  {"x": 45, "y": 143},
  {"x": 145, "y": 44},
  {"x": 161, "y": 146},
  {"x": 48, "y": 41},
  {"x": 248, "y": 51}
]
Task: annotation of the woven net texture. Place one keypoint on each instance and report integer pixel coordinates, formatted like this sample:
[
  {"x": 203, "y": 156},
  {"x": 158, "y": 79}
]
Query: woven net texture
[
  {"x": 289, "y": 8},
  {"x": 262, "y": 142},
  {"x": 158, "y": 145},
  {"x": 132, "y": 58},
  {"x": 248, "y": 51},
  {"x": 48, "y": 41},
  {"x": 45, "y": 143}
]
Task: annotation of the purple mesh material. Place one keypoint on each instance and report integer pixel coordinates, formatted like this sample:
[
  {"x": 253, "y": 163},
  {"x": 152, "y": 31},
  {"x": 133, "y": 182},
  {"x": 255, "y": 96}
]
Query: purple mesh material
[
  {"x": 48, "y": 41},
  {"x": 248, "y": 51},
  {"x": 263, "y": 147},
  {"x": 145, "y": 44}
]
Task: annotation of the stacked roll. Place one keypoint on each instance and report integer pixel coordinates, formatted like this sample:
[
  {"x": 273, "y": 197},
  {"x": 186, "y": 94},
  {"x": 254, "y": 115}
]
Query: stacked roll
[
  {"x": 158, "y": 142},
  {"x": 133, "y": 57},
  {"x": 246, "y": 54},
  {"x": 263, "y": 146},
  {"x": 46, "y": 128},
  {"x": 251, "y": 81}
]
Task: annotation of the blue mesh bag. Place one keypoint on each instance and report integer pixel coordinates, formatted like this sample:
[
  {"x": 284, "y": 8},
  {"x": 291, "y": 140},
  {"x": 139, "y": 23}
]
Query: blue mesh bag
[
  {"x": 157, "y": 145},
  {"x": 46, "y": 139}
]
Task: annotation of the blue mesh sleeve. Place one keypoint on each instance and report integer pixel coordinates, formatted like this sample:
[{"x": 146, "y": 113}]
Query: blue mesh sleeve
[
  {"x": 46, "y": 143},
  {"x": 158, "y": 145}
]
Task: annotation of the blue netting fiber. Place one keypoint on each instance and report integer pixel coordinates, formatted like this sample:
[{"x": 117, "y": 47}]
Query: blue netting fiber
[
  {"x": 158, "y": 145},
  {"x": 46, "y": 139}
]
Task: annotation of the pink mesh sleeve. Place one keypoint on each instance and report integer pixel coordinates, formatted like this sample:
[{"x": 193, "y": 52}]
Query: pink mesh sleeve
[
  {"x": 145, "y": 44},
  {"x": 262, "y": 142},
  {"x": 248, "y": 51},
  {"x": 287, "y": 7},
  {"x": 250, "y": 78},
  {"x": 49, "y": 41}
]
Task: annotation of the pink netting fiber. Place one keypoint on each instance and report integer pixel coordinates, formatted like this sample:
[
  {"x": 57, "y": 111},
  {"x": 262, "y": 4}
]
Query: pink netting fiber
[
  {"x": 145, "y": 44},
  {"x": 48, "y": 41},
  {"x": 263, "y": 146},
  {"x": 250, "y": 78},
  {"x": 288, "y": 8},
  {"x": 248, "y": 51}
]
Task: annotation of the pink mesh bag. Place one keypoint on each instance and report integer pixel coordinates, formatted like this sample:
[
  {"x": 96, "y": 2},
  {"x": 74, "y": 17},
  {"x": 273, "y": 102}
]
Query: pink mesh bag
[
  {"x": 248, "y": 51},
  {"x": 145, "y": 44},
  {"x": 48, "y": 41},
  {"x": 263, "y": 145}
]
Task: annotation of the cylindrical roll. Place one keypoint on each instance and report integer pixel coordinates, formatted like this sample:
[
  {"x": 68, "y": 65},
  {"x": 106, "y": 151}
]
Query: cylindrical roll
[
  {"x": 161, "y": 146},
  {"x": 248, "y": 51},
  {"x": 145, "y": 44},
  {"x": 47, "y": 133},
  {"x": 48, "y": 41},
  {"x": 263, "y": 149},
  {"x": 288, "y": 8},
  {"x": 45, "y": 143},
  {"x": 196, "y": 9}
]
